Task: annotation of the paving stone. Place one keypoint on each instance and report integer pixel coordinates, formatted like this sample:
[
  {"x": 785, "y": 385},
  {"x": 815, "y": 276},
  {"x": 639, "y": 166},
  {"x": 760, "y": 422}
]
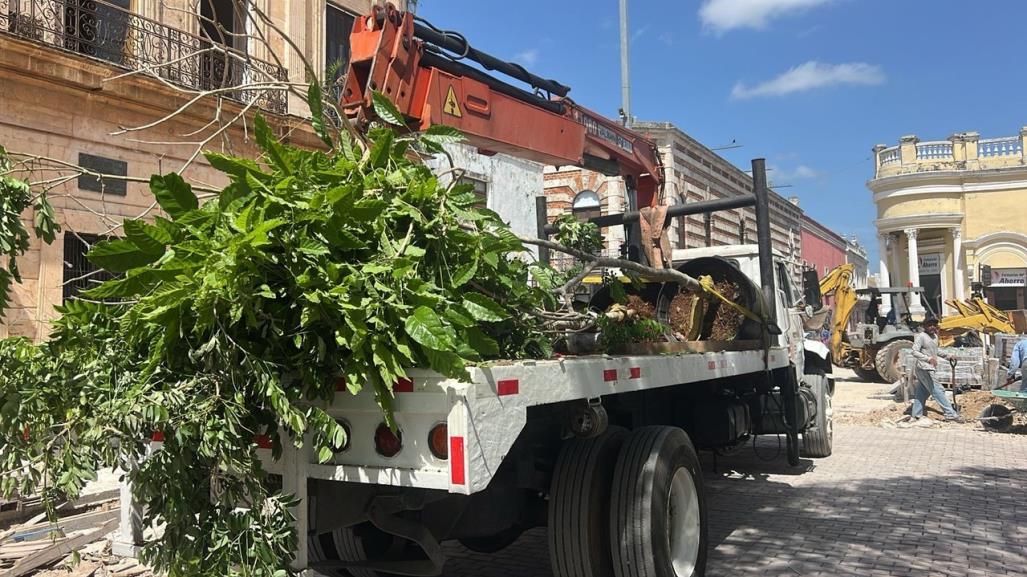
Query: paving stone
[{"x": 889, "y": 502}]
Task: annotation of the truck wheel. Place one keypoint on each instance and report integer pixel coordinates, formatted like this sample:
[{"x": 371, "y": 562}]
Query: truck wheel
[
  {"x": 352, "y": 544},
  {"x": 818, "y": 440},
  {"x": 888, "y": 358},
  {"x": 658, "y": 507},
  {"x": 579, "y": 505}
]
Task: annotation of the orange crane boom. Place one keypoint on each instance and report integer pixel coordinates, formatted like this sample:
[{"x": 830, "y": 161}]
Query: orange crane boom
[{"x": 422, "y": 70}]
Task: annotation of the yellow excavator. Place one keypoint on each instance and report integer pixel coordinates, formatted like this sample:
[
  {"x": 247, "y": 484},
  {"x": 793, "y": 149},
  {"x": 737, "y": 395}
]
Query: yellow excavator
[
  {"x": 873, "y": 350},
  {"x": 972, "y": 315}
]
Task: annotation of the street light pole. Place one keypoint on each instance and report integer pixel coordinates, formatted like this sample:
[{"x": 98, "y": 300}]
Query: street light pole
[{"x": 625, "y": 82}]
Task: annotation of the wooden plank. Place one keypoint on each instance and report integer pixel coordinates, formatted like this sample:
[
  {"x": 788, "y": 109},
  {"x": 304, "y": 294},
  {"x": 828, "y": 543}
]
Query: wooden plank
[
  {"x": 58, "y": 550},
  {"x": 689, "y": 347},
  {"x": 87, "y": 520}
]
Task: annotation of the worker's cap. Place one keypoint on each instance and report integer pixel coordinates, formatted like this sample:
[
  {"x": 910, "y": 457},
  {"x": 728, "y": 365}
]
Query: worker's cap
[{"x": 931, "y": 322}]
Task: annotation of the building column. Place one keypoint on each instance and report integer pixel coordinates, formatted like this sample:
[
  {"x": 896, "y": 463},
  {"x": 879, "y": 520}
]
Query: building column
[
  {"x": 914, "y": 271},
  {"x": 882, "y": 270},
  {"x": 958, "y": 271}
]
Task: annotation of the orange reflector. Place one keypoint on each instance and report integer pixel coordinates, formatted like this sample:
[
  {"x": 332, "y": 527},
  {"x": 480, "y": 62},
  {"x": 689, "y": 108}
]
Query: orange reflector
[
  {"x": 438, "y": 441},
  {"x": 387, "y": 443}
]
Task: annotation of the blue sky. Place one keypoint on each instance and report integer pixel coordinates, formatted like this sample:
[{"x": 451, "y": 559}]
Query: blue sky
[{"x": 811, "y": 85}]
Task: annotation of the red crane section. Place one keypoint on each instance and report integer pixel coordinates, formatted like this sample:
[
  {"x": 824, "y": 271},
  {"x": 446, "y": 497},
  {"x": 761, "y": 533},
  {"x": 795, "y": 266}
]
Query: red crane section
[{"x": 422, "y": 70}]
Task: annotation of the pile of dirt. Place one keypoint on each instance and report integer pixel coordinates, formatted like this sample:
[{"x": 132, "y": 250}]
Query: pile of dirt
[
  {"x": 681, "y": 312},
  {"x": 643, "y": 309},
  {"x": 970, "y": 405},
  {"x": 726, "y": 320},
  {"x": 720, "y": 322}
]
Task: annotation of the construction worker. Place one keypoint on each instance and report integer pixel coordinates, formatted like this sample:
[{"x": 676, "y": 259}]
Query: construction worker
[
  {"x": 1019, "y": 361},
  {"x": 926, "y": 353}
]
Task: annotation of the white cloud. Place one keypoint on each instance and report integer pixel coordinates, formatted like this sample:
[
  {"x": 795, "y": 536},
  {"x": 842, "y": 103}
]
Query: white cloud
[
  {"x": 721, "y": 16},
  {"x": 811, "y": 75},
  {"x": 786, "y": 176},
  {"x": 527, "y": 57}
]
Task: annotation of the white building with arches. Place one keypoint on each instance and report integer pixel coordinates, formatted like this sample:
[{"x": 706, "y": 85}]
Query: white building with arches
[{"x": 948, "y": 209}]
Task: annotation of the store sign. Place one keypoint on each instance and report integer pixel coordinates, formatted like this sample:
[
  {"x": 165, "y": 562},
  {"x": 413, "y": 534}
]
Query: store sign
[
  {"x": 1008, "y": 277},
  {"x": 930, "y": 263}
]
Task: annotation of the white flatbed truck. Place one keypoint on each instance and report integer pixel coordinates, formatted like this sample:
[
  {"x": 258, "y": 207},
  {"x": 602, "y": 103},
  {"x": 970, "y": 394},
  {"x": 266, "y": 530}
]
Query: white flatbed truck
[{"x": 602, "y": 449}]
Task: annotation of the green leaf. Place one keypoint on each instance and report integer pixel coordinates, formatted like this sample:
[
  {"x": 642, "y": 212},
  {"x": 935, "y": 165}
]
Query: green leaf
[
  {"x": 367, "y": 209},
  {"x": 148, "y": 238},
  {"x": 484, "y": 344},
  {"x": 465, "y": 273},
  {"x": 232, "y": 164},
  {"x": 324, "y": 454},
  {"x": 173, "y": 194},
  {"x": 427, "y": 329},
  {"x": 45, "y": 222},
  {"x": 317, "y": 113},
  {"x": 483, "y": 308},
  {"x": 386, "y": 110},
  {"x": 448, "y": 364},
  {"x": 442, "y": 134},
  {"x": 119, "y": 255},
  {"x": 269, "y": 144},
  {"x": 381, "y": 150}
]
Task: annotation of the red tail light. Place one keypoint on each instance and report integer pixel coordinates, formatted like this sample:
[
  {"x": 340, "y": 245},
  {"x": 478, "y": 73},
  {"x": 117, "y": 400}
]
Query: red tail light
[
  {"x": 438, "y": 441},
  {"x": 387, "y": 443}
]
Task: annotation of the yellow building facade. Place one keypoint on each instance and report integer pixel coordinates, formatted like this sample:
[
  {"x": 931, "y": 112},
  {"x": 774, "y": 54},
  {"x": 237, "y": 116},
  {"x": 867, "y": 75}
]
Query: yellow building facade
[{"x": 947, "y": 208}]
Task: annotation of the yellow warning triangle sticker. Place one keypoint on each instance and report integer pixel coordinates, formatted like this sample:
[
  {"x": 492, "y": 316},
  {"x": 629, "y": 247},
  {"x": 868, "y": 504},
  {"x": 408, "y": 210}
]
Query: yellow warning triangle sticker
[{"x": 452, "y": 107}]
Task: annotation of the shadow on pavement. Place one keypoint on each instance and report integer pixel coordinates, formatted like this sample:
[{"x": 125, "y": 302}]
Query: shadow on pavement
[{"x": 871, "y": 517}]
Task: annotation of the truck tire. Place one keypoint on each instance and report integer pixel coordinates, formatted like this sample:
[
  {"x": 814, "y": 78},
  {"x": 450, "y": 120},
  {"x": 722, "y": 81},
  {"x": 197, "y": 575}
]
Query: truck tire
[
  {"x": 887, "y": 360},
  {"x": 350, "y": 547},
  {"x": 658, "y": 507},
  {"x": 579, "y": 506},
  {"x": 818, "y": 440},
  {"x": 357, "y": 543}
]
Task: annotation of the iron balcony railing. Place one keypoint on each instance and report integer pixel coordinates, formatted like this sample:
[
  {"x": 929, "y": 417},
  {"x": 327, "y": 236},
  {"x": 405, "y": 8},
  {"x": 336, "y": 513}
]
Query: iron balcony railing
[{"x": 111, "y": 33}]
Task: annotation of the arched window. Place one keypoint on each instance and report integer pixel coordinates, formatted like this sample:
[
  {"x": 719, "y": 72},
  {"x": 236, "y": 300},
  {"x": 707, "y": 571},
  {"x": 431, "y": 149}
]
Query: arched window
[{"x": 586, "y": 205}]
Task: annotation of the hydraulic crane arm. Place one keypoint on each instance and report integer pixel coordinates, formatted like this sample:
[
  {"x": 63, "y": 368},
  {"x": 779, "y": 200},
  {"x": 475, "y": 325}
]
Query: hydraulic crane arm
[
  {"x": 422, "y": 70},
  {"x": 838, "y": 283}
]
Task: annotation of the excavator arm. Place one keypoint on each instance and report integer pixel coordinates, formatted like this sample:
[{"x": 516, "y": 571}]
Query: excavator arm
[
  {"x": 424, "y": 72},
  {"x": 974, "y": 314},
  {"x": 838, "y": 283}
]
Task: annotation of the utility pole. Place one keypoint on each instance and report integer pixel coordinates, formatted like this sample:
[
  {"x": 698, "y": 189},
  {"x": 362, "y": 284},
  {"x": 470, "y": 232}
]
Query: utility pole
[{"x": 625, "y": 81}]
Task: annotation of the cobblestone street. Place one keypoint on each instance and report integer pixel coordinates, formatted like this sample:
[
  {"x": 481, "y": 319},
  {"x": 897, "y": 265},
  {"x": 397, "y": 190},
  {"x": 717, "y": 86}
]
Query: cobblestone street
[{"x": 889, "y": 502}]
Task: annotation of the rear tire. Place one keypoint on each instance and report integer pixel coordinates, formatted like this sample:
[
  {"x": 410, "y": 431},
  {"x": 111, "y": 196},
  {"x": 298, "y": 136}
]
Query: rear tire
[
  {"x": 888, "y": 358},
  {"x": 658, "y": 508},
  {"x": 579, "y": 506},
  {"x": 818, "y": 441}
]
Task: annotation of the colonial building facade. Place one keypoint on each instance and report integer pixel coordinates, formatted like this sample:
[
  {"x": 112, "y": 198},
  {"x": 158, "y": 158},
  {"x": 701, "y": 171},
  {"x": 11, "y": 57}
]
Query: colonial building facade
[
  {"x": 694, "y": 173},
  {"x": 64, "y": 96},
  {"x": 822, "y": 248},
  {"x": 946, "y": 209}
]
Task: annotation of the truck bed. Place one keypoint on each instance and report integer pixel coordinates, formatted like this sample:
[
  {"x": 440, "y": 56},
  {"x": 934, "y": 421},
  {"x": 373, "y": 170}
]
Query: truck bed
[{"x": 485, "y": 416}]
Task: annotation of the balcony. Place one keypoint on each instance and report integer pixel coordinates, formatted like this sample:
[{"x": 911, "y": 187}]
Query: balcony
[
  {"x": 106, "y": 32},
  {"x": 963, "y": 151}
]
